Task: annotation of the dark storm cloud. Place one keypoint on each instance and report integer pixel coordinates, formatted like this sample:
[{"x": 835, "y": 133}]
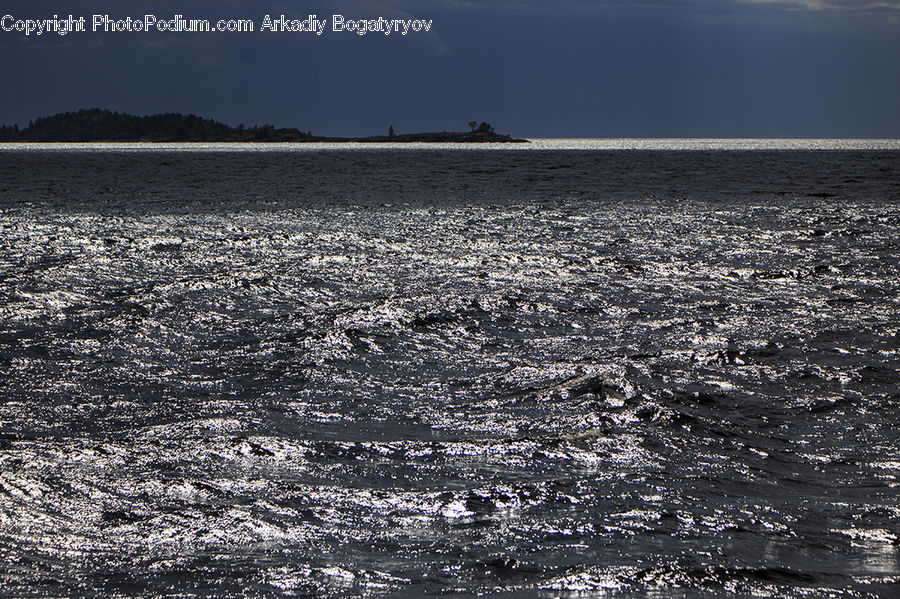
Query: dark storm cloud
[
  {"x": 844, "y": 5},
  {"x": 672, "y": 5},
  {"x": 530, "y": 67}
]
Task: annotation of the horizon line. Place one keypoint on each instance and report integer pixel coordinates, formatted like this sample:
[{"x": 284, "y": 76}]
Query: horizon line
[{"x": 535, "y": 144}]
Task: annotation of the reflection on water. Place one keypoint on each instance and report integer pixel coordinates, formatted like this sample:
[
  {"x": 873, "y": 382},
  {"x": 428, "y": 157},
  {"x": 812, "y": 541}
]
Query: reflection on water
[
  {"x": 537, "y": 144},
  {"x": 470, "y": 373}
]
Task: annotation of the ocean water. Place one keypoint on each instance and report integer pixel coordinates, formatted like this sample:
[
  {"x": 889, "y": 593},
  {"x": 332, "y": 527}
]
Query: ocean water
[{"x": 583, "y": 369}]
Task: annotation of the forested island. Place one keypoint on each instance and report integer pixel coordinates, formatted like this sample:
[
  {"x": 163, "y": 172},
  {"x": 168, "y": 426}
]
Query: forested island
[{"x": 98, "y": 125}]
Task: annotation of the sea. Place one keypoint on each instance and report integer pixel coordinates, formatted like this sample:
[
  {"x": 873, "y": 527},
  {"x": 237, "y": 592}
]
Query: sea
[{"x": 567, "y": 368}]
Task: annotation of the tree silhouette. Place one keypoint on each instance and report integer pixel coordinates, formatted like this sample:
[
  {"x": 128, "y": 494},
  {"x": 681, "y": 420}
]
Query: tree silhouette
[
  {"x": 484, "y": 128},
  {"x": 104, "y": 125}
]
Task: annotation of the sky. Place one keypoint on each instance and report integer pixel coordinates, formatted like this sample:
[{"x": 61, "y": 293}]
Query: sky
[{"x": 531, "y": 68}]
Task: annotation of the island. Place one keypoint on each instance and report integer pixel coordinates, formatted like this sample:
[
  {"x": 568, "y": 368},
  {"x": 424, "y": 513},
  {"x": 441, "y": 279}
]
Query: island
[{"x": 99, "y": 125}]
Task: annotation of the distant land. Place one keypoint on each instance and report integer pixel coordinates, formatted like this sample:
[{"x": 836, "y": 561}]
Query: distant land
[{"x": 98, "y": 125}]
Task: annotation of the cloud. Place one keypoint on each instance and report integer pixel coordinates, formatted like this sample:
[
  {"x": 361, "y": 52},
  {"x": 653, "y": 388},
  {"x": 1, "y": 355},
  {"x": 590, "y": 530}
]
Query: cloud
[
  {"x": 675, "y": 5},
  {"x": 843, "y": 5}
]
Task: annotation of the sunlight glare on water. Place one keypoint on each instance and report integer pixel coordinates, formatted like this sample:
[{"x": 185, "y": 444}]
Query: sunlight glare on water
[
  {"x": 333, "y": 372},
  {"x": 539, "y": 144}
]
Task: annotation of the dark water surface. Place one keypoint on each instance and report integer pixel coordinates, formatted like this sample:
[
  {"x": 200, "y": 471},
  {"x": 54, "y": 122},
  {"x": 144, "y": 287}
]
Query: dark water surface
[{"x": 479, "y": 373}]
